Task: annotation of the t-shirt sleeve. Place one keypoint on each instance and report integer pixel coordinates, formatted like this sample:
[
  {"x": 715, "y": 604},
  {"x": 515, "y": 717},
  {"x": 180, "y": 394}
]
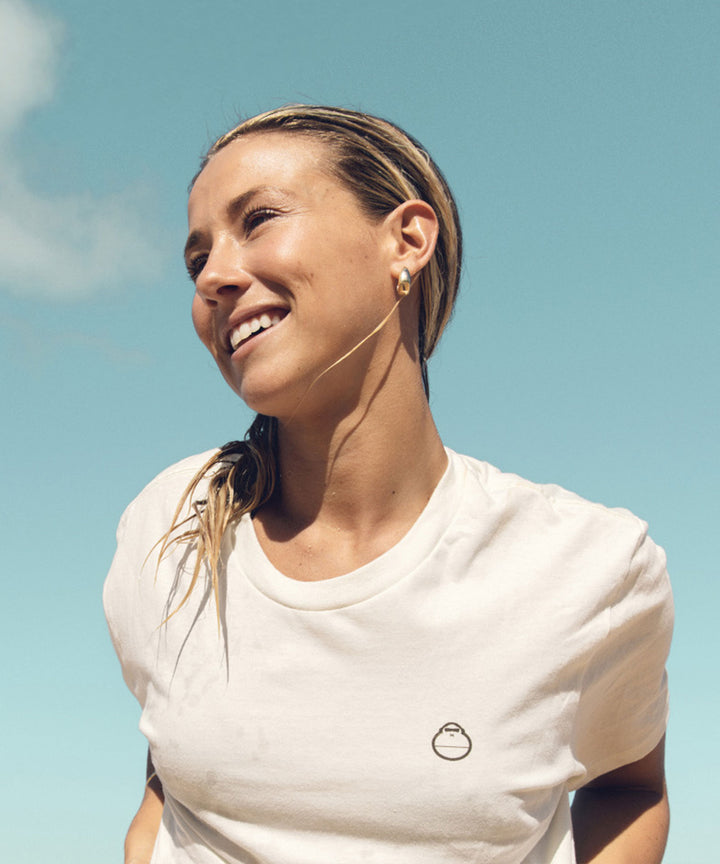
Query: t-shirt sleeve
[
  {"x": 134, "y": 597},
  {"x": 137, "y": 592},
  {"x": 623, "y": 704},
  {"x": 125, "y": 609}
]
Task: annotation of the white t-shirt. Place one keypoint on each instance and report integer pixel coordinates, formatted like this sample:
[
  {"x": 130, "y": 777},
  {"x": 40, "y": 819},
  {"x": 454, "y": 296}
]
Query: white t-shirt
[{"x": 436, "y": 705}]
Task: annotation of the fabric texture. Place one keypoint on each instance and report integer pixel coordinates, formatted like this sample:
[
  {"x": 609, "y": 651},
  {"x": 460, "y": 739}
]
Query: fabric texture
[{"x": 435, "y": 705}]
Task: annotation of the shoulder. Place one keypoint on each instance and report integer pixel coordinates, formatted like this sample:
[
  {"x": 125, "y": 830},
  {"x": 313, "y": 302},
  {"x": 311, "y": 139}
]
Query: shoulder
[
  {"x": 134, "y": 599},
  {"x": 162, "y": 494},
  {"x": 605, "y": 547},
  {"x": 146, "y": 520},
  {"x": 526, "y": 498},
  {"x": 177, "y": 475}
]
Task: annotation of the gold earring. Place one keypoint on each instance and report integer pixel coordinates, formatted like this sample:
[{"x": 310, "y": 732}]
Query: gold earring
[{"x": 403, "y": 285}]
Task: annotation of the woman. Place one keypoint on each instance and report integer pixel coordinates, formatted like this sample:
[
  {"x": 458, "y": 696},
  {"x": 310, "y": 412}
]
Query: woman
[{"x": 349, "y": 643}]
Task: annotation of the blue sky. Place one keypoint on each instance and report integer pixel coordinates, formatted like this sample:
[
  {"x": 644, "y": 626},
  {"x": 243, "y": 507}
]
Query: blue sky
[{"x": 581, "y": 139}]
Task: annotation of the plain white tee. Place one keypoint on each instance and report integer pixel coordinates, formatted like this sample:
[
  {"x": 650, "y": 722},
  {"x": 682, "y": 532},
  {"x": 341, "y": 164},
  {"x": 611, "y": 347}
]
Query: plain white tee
[{"x": 436, "y": 705}]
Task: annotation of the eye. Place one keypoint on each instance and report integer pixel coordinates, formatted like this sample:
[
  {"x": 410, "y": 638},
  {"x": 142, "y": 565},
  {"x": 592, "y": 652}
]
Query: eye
[
  {"x": 195, "y": 266},
  {"x": 254, "y": 218}
]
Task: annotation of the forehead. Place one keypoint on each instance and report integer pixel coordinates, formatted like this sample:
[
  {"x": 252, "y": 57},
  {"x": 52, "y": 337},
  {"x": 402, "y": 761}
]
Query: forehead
[{"x": 277, "y": 159}]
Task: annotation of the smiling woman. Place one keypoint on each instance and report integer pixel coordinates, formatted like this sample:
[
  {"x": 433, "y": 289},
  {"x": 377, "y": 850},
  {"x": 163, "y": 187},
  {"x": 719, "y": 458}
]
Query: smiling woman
[
  {"x": 349, "y": 642},
  {"x": 274, "y": 234}
]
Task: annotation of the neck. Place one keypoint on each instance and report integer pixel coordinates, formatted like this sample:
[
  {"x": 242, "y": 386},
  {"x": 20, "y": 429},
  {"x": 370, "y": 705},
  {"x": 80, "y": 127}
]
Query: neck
[{"x": 376, "y": 464}]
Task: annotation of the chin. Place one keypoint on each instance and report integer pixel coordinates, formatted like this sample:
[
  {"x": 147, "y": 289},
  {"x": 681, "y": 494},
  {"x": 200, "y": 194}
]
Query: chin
[
  {"x": 261, "y": 398},
  {"x": 277, "y": 394}
]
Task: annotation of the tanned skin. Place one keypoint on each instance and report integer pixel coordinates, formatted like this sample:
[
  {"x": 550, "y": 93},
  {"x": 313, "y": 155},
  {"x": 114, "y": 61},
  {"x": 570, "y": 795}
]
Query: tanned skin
[{"x": 143, "y": 829}]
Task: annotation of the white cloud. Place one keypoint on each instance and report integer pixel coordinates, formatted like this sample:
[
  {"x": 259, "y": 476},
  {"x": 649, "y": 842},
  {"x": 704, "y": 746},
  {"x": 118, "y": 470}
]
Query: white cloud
[
  {"x": 28, "y": 47},
  {"x": 71, "y": 247},
  {"x": 39, "y": 343},
  {"x": 55, "y": 247}
]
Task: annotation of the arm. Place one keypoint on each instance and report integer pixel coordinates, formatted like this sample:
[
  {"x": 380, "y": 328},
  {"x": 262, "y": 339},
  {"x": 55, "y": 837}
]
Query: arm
[
  {"x": 140, "y": 838},
  {"x": 622, "y": 817}
]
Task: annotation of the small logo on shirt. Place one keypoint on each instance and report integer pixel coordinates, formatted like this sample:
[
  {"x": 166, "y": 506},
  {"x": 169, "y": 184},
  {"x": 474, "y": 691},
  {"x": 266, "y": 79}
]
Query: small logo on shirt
[{"x": 452, "y": 742}]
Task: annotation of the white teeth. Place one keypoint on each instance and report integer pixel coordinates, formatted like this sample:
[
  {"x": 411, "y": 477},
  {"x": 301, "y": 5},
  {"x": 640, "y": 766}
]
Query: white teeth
[
  {"x": 254, "y": 325},
  {"x": 239, "y": 334}
]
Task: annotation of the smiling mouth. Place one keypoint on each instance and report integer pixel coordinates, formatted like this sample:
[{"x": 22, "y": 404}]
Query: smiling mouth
[{"x": 252, "y": 326}]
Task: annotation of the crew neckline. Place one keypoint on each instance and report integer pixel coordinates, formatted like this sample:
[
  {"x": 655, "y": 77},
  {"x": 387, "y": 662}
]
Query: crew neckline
[{"x": 366, "y": 581}]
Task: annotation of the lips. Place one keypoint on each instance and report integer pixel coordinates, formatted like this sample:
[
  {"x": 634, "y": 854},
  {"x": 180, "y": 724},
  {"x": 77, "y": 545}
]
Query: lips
[{"x": 253, "y": 325}]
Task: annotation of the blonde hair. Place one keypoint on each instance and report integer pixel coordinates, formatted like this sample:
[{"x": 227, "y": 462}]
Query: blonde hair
[{"x": 382, "y": 166}]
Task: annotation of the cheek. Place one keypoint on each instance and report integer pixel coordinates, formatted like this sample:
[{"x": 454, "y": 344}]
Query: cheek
[{"x": 201, "y": 319}]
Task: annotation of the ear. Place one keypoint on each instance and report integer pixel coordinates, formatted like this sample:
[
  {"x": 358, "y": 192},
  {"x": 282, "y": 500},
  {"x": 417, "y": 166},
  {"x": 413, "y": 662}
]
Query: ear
[{"x": 413, "y": 230}]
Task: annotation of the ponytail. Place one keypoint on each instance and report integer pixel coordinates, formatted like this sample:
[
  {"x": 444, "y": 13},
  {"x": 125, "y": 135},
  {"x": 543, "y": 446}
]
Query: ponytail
[{"x": 242, "y": 477}]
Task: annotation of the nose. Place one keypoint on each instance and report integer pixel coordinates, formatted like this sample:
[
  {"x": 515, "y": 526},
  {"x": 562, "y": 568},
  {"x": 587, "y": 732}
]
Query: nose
[{"x": 222, "y": 275}]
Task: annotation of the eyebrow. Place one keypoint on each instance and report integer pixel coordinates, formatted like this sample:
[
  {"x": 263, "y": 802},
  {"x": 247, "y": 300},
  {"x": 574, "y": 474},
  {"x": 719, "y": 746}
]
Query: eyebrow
[{"x": 234, "y": 208}]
